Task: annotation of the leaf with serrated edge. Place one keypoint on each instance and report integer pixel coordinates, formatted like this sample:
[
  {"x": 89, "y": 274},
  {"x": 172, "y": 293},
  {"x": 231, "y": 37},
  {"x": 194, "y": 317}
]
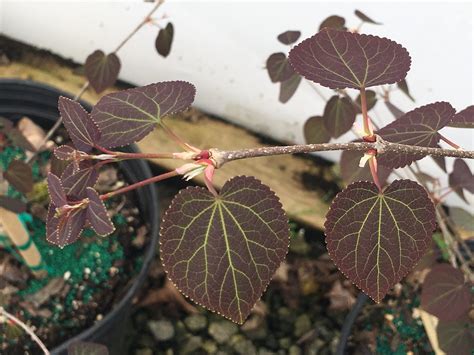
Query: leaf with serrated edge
[
  {"x": 20, "y": 176},
  {"x": 82, "y": 130},
  {"x": 127, "y": 116},
  {"x": 445, "y": 294},
  {"x": 289, "y": 37},
  {"x": 164, "y": 40},
  {"x": 64, "y": 152},
  {"x": 288, "y": 87},
  {"x": 223, "y": 251},
  {"x": 338, "y": 59},
  {"x": 315, "y": 132},
  {"x": 365, "y": 18},
  {"x": 461, "y": 178},
  {"x": 87, "y": 348},
  {"x": 456, "y": 337},
  {"x": 334, "y": 21},
  {"x": 376, "y": 238},
  {"x": 418, "y": 127},
  {"x": 97, "y": 214},
  {"x": 65, "y": 229},
  {"x": 278, "y": 67},
  {"x": 339, "y": 116},
  {"x": 464, "y": 118},
  {"x": 102, "y": 70},
  {"x": 56, "y": 191},
  {"x": 75, "y": 184}
]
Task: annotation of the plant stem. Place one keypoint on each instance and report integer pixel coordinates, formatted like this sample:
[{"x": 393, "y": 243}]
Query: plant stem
[
  {"x": 382, "y": 146},
  {"x": 373, "y": 171},
  {"x": 177, "y": 139},
  {"x": 451, "y": 143},
  {"x": 139, "y": 184},
  {"x": 123, "y": 156},
  {"x": 363, "y": 108},
  {"x": 27, "y": 329}
]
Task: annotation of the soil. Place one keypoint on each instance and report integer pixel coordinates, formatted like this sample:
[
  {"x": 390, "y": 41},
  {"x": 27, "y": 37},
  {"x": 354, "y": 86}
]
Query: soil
[{"x": 84, "y": 280}]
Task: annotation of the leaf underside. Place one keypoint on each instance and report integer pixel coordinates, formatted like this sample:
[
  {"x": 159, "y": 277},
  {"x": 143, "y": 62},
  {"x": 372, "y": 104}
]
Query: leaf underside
[
  {"x": 288, "y": 87},
  {"x": 289, "y": 37},
  {"x": 127, "y": 116},
  {"x": 338, "y": 59},
  {"x": 339, "y": 116},
  {"x": 375, "y": 238},
  {"x": 418, "y": 127},
  {"x": 456, "y": 337},
  {"x": 461, "y": 178},
  {"x": 464, "y": 118},
  {"x": 102, "y": 70},
  {"x": 164, "y": 40},
  {"x": 222, "y": 251},
  {"x": 315, "y": 132},
  {"x": 335, "y": 22},
  {"x": 278, "y": 67}
]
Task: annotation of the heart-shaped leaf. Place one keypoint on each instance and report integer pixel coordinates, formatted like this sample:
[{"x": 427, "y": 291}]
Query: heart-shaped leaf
[
  {"x": 456, "y": 337},
  {"x": 461, "y": 178},
  {"x": 56, "y": 191},
  {"x": 66, "y": 228},
  {"x": 222, "y": 251},
  {"x": 335, "y": 22},
  {"x": 351, "y": 171},
  {"x": 83, "y": 132},
  {"x": 339, "y": 116},
  {"x": 315, "y": 131},
  {"x": 464, "y": 118},
  {"x": 371, "y": 99},
  {"x": 394, "y": 110},
  {"x": 97, "y": 214},
  {"x": 127, "y": 116},
  {"x": 289, "y": 37},
  {"x": 278, "y": 67},
  {"x": 20, "y": 176},
  {"x": 338, "y": 59},
  {"x": 102, "y": 70},
  {"x": 288, "y": 87},
  {"x": 164, "y": 40},
  {"x": 445, "y": 293},
  {"x": 418, "y": 127},
  {"x": 365, "y": 18},
  {"x": 402, "y": 85},
  {"x": 375, "y": 238}
]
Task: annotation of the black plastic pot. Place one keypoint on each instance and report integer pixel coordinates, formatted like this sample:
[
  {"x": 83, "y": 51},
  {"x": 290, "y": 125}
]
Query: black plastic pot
[{"x": 39, "y": 102}]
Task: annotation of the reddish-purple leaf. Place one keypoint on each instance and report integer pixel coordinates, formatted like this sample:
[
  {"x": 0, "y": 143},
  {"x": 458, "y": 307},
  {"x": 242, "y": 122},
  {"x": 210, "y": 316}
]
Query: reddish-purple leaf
[
  {"x": 464, "y": 118},
  {"x": 87, "y": 348},
  {"x": 75, "y": 183},
  {"x": 164, "y": 40},
  {"x": 418, "y": 127},
  {"x": 12, "y": 204},
  {"x": 351, "y": 171},
  {"x": 97, "y": 214},
  {"x": 288, "y": 87},
  {"x": 102, "y": 70},
  {"x": 371, "y": 99},
  {"x": 58, "y": 166},
  {"x": 64, "y": 152},
  {"x": 365, "y": 18},
  {"x": 56, "y": 191},
  {"x": 83, "y": 132},
  {"x": 456, "y": 337},
  {"x": 375, "y": 238},
  {"x": 445, "y": 293},
  {"x": 394, "y": 110},
  {"x": 403, "y": 86},
  {"x": 339, "y": 116},
  {"x": 335, "y": 22},
  {"x": 461, "y": 178},
  {"x": 278, "y": 67},
  {"x": 222, "y": 251},
  {"x": 65, "y": 228},
  {"x": 338, "y": 59},
  {"x": 20, "y": 176},
  {"x": 127, "y": 116},
  {"x": 315, "y": 130},
  {"x": 289, "y": 37}
]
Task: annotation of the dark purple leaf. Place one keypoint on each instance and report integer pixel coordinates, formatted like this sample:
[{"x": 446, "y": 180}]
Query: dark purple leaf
[
  {"x": 87, "y": 348},
  {"x": 375, "y": 238},
  {"x": 164, "y": 40},
  {"x": 64, "y": 228},
  {"x": 97, "y": 214},
  {"x": 351, "y": 171},
  {"x": 365, "y": 18},
  {"x": 83, "y": 132},
  {"x": 445, "y": 293},
  {"x": 64, "y": 152},
  {"x": 371, "y": 99},
  {"x": 56, "y": 191},
  {"x": 20, "y": 176},
  {"x": 289, "y": 37},
  {"x": 464, "y": 118},
  {"x": 278, "y": 67},
  {"x": 402, "y": 85},
  {"x": 75, "y": 184},
  {"x": 418, "y": 127},
  {"x": 335, "y": 22},
  {"x": 394, "y": 110},
  {"x": 222, "y": 251},
  {"x": 456, "y": 337},
  {"x": 12, "y": 204},
  {"x": 127, "y": 116},
  {"x": 288, "y": 87},
  {"x": 315, "y": 131},
  {"x": 58, "y": 166},
  {"x": 102, "y": 70},
  {"x": 461, "y": 178},
  {"x": 440, "y": 161},
  {"x": 339, "y": 116},
  {"x": 338, "y": 59}
]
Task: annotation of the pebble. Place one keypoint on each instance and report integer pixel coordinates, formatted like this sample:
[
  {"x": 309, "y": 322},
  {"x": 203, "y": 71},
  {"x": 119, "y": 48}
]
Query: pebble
[
  {"x": 196, "y": 322},
  {"x": 209, "y": 346},
  {"x": 295, "y": 350},
  {"x": 221, "y": 331},
  {"x": 191, "y": 345},
  {"x": 265, "y": 351},
  {"x": 243, "y": 346},
  {"x": 302, "y": 325},
  {"x": 161, "y": 330},
  {"x": 146, "y": 351}
]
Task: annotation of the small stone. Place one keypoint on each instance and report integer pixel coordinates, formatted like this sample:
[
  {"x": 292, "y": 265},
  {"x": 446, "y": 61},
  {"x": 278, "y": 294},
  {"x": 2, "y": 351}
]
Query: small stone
[
  {"x": 294, "y": 350},
  {"x": 243, "y": 346},
  {"x": 161, "y": 330},
  {"x": 191, "y": 345},
  {"x": 302, "y": 325},
  {"x": 222, "y": 331},
  {"x": 145, "y": 351},
  {"x": 195, "y": 322},
  {"x": 314, "y": 347},
  {"x": 284, "y": 343},
  {"x": 209, "y": 346},
  {"x": 265, "y": 351}
]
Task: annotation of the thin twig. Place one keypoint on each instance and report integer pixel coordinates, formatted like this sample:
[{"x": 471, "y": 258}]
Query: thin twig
[{"x": 27, "y": 329}]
